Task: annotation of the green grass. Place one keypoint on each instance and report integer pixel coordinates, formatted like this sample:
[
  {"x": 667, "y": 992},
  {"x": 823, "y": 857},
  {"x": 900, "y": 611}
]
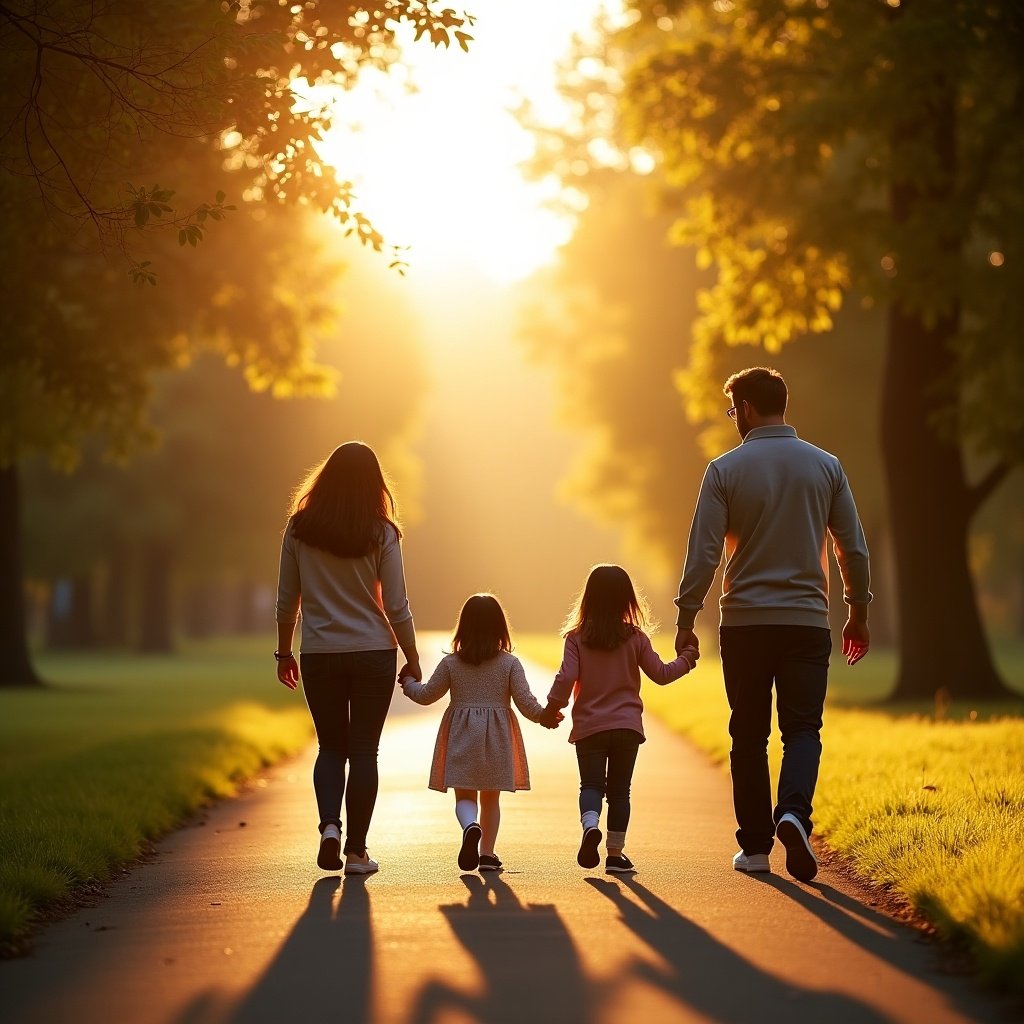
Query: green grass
[
  {"x": 120, "y": 749},
  {"x": 933, "y": 811}
]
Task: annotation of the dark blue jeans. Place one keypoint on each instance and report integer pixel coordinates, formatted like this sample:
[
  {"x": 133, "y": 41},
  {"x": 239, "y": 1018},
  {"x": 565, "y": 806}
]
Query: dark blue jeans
[
  {"x": 795, "y": 660},
  {"x": 606, "y": 761},
  {"x": 348, "y": 696}
]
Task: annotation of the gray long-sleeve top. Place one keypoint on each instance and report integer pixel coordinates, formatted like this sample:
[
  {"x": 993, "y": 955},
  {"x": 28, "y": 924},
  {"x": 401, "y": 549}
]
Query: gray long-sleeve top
[
  {"x": 348, "y": 604},
  {"x": 771, "y": 502}
]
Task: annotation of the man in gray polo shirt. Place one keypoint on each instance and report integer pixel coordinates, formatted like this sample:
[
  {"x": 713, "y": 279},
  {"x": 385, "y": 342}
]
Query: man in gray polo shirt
[{"x": 771, "y": 502}]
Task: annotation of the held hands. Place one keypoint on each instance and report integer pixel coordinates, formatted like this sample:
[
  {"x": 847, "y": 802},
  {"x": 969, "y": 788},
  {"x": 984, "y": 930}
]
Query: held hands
[
  {"x": 412, "y": 670},
  {"x": 550, "y": 717},
  {"x": 686, "y": 638},
  {"x": 691, "y": 654}
]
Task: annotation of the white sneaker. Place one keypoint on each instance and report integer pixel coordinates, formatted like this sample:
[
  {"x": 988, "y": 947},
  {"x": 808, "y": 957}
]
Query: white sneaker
[
  {"x": 329, "y": 857},
  {"x": 800, "y": 860},
  {"x": 361, "y": 867},
  {"x": 751, "y": 862}
]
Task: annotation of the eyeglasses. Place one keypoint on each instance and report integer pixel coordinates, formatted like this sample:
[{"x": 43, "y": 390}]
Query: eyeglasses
[{"x": 731, "y": 413}]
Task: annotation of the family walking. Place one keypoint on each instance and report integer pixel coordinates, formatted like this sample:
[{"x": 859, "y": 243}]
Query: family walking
[{"x": 770, "y": 504}]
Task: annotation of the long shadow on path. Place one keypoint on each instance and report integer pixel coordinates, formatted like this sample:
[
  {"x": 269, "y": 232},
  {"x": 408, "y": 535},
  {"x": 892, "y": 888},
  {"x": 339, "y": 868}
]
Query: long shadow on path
[
  {"x": 323, "y": 970},
  {"x": 878, "y": 935},
  {"x": 529, "y": 966},
  {"x": 713, "y": 980}
]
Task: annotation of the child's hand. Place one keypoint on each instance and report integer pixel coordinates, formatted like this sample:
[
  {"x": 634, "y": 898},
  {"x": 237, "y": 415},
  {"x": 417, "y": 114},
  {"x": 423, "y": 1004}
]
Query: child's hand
[
  {"x": 405, "y": 679},
  {"x": 692, "y": 654},
  {"x": 550, "y": 717}
]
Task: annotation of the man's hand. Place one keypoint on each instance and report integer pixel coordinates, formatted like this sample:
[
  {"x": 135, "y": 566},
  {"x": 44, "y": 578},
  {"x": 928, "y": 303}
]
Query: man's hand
[
  {"x": 856, "y": 640},
  {"x": 288, "y": 672},
  {"x": 685, "y": 638}
]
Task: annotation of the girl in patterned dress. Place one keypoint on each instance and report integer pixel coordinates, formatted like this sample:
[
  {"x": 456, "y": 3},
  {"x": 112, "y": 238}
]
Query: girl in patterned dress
[{"x": 479, "y": 750}]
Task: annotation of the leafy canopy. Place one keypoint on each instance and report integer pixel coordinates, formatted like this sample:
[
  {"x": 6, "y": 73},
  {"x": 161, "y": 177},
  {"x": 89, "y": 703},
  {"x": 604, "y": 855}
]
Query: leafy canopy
[
  {"x": 83, "y": 85},
  {"x": 785, "y": 132}
]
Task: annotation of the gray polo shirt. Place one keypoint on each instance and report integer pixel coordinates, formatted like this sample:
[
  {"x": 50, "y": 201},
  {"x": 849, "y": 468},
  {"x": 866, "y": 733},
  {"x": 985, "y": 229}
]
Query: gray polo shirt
[{"x": 771, "y": 502}]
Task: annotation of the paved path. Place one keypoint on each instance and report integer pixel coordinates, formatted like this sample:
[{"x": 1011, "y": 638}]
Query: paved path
[{"x": 232, "y": 922}]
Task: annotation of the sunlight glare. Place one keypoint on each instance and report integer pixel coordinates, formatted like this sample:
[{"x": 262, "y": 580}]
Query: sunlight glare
[{"x": 438, "y": 169}]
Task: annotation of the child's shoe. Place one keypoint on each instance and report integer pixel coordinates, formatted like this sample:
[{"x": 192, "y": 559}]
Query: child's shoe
[
  {"x": 588, "y": 857},
  {"x": 488, "y": 862},
  {"x": 329, "y": 857},
  {"x": 618, "y": 865},
  {"x": 469, "y": 855}
]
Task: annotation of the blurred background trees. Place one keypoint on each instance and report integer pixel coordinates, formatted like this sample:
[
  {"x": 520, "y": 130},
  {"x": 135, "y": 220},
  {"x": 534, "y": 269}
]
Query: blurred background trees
[
  {"x": 816, "y": 157},
  {"x": 831, "y": 189},
  {"x": 96, "y": 100}
]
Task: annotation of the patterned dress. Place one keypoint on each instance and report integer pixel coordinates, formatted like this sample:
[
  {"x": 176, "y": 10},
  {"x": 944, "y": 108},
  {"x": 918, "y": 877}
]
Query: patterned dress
[{"x": 479, "y": 743}]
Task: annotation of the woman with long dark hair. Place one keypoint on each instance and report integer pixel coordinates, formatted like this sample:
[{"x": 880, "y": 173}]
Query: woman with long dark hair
[{"x": 341, "y": 565}]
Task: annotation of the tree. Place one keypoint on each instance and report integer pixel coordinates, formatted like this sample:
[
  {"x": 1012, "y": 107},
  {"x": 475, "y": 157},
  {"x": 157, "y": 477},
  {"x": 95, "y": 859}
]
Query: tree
[
  {"x": 195, "y": 518},
  {"x": 94, "y": 95},
  {"x": 83, "y": 84},
  {"x": 612, "y": 331},
  {"x": 813, "y": 149}
]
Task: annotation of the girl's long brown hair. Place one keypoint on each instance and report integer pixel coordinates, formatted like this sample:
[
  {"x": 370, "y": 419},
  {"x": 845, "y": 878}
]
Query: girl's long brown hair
[
  {"x": 607, "y": 611},
  {"x": 482, "y": 630},
  {"x": 344, "y": 504}
]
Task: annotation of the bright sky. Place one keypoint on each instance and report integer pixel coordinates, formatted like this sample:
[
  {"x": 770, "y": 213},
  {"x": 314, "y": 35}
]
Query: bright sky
[{"x": 438, "y": 170}]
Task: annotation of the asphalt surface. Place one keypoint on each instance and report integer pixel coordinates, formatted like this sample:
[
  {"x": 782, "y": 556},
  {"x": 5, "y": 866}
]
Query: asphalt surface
[{"x": 232, "y": 921}]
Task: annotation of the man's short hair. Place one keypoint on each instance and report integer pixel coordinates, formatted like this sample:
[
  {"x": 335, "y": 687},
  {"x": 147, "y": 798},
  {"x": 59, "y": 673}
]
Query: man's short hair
[{"x": 762, "y": 387}]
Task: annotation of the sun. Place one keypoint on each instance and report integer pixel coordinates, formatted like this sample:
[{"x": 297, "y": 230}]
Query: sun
[{"x": 439, "y": 169}]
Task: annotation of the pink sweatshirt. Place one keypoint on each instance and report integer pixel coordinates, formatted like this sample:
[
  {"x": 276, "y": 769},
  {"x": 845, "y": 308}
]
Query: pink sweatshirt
[{"x": 605, "y": 685}]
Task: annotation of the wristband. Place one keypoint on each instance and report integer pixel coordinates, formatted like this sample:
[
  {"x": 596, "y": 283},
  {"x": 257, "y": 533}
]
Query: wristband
[{"x": 283, "y": 656}]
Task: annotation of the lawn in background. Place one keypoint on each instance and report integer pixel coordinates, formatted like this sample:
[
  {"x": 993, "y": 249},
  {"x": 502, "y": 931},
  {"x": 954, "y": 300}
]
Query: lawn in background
[
  {"x": 120, "y": 749},
  {"x": 931, "y": 809}
]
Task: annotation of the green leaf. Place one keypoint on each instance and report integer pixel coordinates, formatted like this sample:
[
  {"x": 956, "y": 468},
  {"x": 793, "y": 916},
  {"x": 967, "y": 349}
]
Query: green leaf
[
  {"x": 141, "y": 214},
  {"x": 221, "y": 196},
  {"x": 182, "y": 237}
]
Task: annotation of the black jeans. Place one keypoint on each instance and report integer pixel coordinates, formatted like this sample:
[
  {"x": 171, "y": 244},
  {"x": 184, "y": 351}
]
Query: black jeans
[
  {"x": 606, "y": 761},
  {"x": 795, "y": 660},
  {"x": 348, "y": 696}
]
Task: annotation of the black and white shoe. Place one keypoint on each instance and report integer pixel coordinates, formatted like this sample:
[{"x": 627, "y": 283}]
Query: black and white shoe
[
  {"x": 620, "y": 865},
  {"x": 588, "y": 857},
  {"x": 488, "y": 862},
  {"x": 329, "y": 856},
  {"x": 800, "y": 860},
  {"x": 469, "y": 855}
]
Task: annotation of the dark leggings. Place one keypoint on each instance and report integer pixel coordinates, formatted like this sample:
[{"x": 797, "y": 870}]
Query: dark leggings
[
  {"x": 348, "y": 696},
  {"x": 606, "y": 761}
]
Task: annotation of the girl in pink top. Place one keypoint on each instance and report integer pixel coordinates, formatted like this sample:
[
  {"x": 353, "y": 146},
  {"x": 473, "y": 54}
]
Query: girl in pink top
[{"x": 605, "y": 649}]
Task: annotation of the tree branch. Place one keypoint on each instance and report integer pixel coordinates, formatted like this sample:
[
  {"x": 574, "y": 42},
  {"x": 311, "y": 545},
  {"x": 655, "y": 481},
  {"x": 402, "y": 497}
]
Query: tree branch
[{"x": 983, "y": 489}]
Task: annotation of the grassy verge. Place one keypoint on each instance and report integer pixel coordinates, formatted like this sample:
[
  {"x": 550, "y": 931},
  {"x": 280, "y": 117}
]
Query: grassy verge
[
  {"x": 119, "y": 750},
  {"x": 933, "y": 811}
]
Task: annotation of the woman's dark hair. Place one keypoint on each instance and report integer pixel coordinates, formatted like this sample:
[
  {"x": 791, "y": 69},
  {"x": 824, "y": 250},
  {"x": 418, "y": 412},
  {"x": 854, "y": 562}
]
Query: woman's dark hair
[
  {"x": 482, "y": 630},
  {"x": 761, "y": 386},
  {"x": 607, "y": 611},
  {"x": 344, "y": 503}
]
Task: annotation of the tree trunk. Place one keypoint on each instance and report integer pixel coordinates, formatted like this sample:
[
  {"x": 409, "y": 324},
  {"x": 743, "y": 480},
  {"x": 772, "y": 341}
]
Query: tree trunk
[
  {"x": 942, "y": 642},
  {"x": 156, "y": 634},
  {"x": 15, "y": 666},
  {"x": 115, "y": 595},
  {"x": 70, "y": 615}
]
